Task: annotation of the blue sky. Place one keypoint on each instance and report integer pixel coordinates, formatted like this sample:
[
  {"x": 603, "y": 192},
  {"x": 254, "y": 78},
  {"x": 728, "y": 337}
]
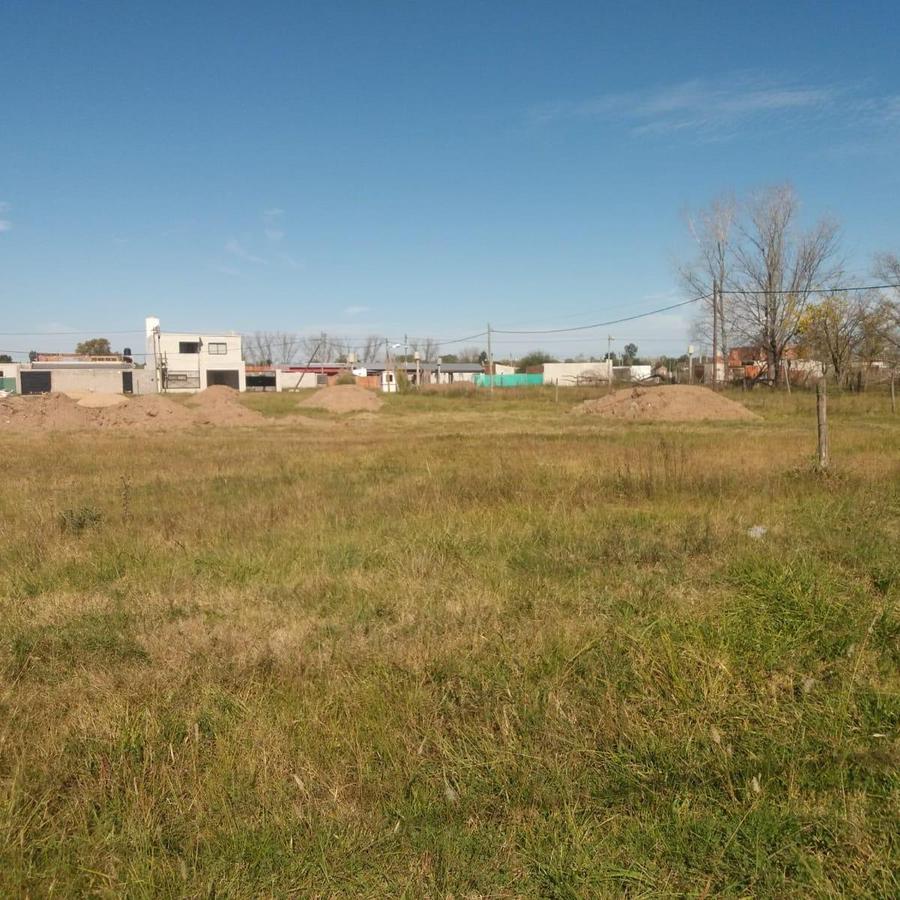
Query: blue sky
[{"x": 417, "y": 168}]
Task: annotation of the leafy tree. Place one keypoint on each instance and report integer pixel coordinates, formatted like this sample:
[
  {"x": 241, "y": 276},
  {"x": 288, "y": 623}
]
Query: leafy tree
[
  {"x": 630, "y": 354},
  {"x": 535, "y": 358},
  {"x": 832, "y": 331},
  {"x": 94, "y": 347},
  {"x": 5, "y": 358}
]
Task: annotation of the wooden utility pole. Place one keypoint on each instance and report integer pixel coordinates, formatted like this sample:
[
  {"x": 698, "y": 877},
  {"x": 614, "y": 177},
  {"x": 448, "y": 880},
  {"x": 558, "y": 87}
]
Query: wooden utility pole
[
  {"x": 822, "y": 419},
  {"x": 490, "y": 360},
  {"x": 715, "y": 342}
]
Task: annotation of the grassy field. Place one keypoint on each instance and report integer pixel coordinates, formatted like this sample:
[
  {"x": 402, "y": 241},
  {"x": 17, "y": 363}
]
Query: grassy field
[{"x": 464, "y": 648}]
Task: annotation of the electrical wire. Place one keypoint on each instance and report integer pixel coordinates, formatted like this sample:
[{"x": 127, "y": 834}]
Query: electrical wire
[{"x": 652, "y": 312}]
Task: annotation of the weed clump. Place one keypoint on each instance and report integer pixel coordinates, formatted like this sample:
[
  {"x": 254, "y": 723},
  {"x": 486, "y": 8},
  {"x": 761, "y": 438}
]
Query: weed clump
[{"x": 79, "y": 518}]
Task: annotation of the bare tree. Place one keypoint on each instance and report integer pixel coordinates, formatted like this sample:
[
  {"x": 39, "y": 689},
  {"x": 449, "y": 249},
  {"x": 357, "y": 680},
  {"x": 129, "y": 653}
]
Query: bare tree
[
  {"x": 470, "y": 355},
  {"x": 371, "y": 349},
  {"x": 713, "y": 230},
  {"x": 777, "y": 269},
  {"x": 887, "y": 269},
  {"x": 272, "y": 347},
  {"x": 428, "y": 348}
]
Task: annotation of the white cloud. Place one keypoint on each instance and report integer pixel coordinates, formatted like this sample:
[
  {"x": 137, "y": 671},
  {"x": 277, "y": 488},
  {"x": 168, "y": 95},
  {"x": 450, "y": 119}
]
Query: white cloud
[
  {"x": 291, "y": 262},
  {"x": 236, "y": 248},
  {"x": 227, "y": 270},
  {"x": 700, "y": 106},
  {"x": 355, "y": 310}
]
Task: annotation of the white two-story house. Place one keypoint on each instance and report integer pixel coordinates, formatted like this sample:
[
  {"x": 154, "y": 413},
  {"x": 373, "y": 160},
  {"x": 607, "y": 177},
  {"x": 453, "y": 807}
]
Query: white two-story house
[{"x": 191, "y": 361}]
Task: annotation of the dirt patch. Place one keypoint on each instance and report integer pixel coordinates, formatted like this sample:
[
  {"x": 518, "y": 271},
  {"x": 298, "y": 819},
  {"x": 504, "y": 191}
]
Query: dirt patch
[
  {"x": 220, "y": 405},
  {"x": 60, "y": 412},
  {"x": 96, "y": 400},
  {"x": 344, "y": 398},
  {"x": 43, "y": 412},
  {"x": 667, "y": 403},
  {"x": 149, "y": 411}
]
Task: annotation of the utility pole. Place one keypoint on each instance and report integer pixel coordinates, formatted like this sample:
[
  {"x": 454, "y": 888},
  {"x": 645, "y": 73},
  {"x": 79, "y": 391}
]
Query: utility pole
[
  {"x": 490, "y": 360},
  {"x": 715, "y": 369}
]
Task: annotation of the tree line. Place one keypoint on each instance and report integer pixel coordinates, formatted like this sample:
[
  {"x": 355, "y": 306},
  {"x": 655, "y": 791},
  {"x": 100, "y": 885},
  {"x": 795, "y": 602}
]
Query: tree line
[{"x": 770, "y": 283}]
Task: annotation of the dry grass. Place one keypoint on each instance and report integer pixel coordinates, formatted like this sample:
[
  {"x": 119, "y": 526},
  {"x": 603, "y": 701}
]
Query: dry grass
[{"x": 471, "y": 648}]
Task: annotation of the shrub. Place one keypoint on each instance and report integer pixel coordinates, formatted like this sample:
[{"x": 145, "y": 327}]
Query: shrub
[{"x": 79, "y": 518}]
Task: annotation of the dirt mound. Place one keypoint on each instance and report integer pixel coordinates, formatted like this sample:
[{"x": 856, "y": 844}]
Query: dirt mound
[
  {"x": 220, "y": 405},
  {"x": 43, "y": 412},
  {"x": 668, "y": 403},
  {"x": 145, "y": 411},
  {"x": 95, "y": 399},
  {"x": 344, "y": 398}
]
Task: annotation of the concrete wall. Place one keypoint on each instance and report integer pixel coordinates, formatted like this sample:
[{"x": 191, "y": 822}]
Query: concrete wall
[
  {"x": 294, "y": 381},
  {"x": 11, "y": 371},
  {"x": 89, "y": 380},
  {"x": 92, "y": 381},
  {"x": 575, "y": 373}
]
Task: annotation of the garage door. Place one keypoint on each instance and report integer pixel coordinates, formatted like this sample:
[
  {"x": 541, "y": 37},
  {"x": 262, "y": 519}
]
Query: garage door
[
  {"x": 229, "y": 377},
  {"x": 35, "y": 382}
]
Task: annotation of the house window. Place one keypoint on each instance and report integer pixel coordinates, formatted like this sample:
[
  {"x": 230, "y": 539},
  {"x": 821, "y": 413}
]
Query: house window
[
  {"x": 181, "y": 379},
  {"x": 189, "y": 346},
  {"x": 220, "y": 349}
]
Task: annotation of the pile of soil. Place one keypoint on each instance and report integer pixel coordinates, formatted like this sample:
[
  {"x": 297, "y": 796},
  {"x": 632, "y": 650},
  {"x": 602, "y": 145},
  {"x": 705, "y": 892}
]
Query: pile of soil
[
  {"x": 150, "y": 411},
  {"x": 220, "y": 405},
  {"x": 344, "y": 398},
  {"x": 59, "y": 412},
  {"x": 667, "y": 403},
  {"x": 95, "y": 399},
  {"x": 43, "y": 412}
]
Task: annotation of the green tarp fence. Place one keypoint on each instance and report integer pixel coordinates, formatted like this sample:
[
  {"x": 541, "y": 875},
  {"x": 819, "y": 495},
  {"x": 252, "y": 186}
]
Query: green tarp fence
[
  {"x": 516, "y": 380},
  {"x": 8, "y": 385}
]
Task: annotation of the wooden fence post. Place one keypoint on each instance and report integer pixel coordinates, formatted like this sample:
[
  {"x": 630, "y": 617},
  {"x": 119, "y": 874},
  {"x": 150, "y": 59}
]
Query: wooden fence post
[{"x": 822, "y": 419}]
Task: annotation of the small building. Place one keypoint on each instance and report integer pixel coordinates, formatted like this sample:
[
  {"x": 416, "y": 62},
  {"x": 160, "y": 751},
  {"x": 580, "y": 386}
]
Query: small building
[
  {"x": 578, "y": 373},
  {"x": 185, "y": 362},
  {"x": 456, "y": 373},
  {"x": 74, "y": 373}
]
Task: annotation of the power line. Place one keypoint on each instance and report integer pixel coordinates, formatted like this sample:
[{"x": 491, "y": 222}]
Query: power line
[
  {"x": 481, "y": 334},
  {"x": 652, "y": 312},
  {"x": 831, "y": 290},
  {"x": 62, "y": 333},
  {"x": 462, "y": 340},
  {"x": 662, "y": 309}
]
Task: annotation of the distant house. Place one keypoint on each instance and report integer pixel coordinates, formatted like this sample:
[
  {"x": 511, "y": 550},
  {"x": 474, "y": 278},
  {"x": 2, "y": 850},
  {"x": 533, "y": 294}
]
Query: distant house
[
  {"x": 577, "y": 373},
  {"x": 456, "y": 373},
  {"x": 72, "y": 372},
  {"x": 751, "y": 363},
  {"x": 183, "y": 362}
]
